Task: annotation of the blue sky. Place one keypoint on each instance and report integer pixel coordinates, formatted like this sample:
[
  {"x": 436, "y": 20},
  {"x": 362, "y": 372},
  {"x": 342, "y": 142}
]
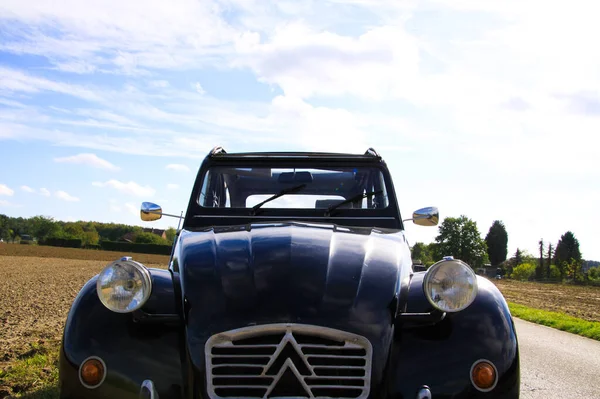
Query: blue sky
[{"x": 488, "y": 109}]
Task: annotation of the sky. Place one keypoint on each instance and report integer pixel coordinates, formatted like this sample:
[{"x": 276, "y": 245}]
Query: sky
[{"x": 484, "y": 109}]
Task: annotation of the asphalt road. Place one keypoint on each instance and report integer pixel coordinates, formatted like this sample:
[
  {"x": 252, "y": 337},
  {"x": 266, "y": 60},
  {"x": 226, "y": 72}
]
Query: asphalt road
[{"x": 556, "y": 364}]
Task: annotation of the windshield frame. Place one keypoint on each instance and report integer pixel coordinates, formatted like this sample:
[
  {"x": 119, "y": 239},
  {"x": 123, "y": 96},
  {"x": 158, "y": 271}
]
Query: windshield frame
[{"x": 198, "y": 216}]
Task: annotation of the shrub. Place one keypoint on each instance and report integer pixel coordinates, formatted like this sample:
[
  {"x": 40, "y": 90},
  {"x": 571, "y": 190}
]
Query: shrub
[
  {"x": 150, "y": 238},
  {"x": 137, "y": 248},
  {"x": 555, "y": 273},
  {"x": 524, "y": 271},
  {"x": 62, "y": 242}
]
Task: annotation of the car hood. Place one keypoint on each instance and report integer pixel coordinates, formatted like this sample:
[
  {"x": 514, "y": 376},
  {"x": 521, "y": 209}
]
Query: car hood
[
  {"x": 314, "y": 274},
  {"x": 290, "y": 272}
]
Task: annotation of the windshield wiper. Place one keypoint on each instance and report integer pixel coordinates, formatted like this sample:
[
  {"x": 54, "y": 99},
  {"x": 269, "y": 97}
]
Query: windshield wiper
[
  {"x": 279, "y": 194},
  {"x": 351, "y": 199}
]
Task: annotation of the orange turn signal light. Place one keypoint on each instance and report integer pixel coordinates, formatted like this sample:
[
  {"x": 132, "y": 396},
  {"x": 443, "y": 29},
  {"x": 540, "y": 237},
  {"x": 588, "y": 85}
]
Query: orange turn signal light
[
  {"x": 92, "y": 372},
  {"x": 484, "y": 375}
]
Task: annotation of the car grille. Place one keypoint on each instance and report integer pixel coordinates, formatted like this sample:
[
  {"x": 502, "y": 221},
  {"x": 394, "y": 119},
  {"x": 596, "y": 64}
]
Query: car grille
[{"x": 288, "y": 360}]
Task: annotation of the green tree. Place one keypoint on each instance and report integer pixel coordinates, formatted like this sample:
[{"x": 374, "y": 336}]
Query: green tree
[
  {"x": 523, "y": 271},
  {"x": 518, "y": 257},
  {"x": 422, "y": 252},
  {"x": 149, "y": 238},
  {"x": 567, "y": 255},
  {"x": 170, "y": 233},
  {"x": 114, "y": 231},
  {"x": 90, "y": 237},
  {"x": 42, "y": 227},
  {"x": 18, "y": 226},
  {"x": 73, "y": 230},
  {"x": 4, "y": 227},
  {"x": 497, "y": 242},
  {"x": 460, "y": 238}
]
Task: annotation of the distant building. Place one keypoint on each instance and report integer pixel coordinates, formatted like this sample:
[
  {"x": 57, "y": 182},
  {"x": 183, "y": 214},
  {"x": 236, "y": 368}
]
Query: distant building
[
  {"x": 418, "y": 266},
  {"x": 130, "y": 237},
  {"x": 26, "y": 239},
  {"x": 158, "y": 232},
  {"x": 489, "y": 271}
]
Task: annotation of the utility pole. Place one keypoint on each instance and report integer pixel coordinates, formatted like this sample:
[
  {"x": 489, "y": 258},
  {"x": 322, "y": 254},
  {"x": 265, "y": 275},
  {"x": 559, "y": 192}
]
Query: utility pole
[{"x": 550, "y": 250}]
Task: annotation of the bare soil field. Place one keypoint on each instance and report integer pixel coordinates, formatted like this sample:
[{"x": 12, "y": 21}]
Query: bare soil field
[
  {"x": 41, "y": 251},
  {"x": 575, "y": 300},
  {"x": 36, "y": 293}
]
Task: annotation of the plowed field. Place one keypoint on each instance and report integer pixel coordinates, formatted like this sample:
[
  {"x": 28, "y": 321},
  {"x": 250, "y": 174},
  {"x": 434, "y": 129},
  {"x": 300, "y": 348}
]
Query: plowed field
[{"x": 578, "y": 301}]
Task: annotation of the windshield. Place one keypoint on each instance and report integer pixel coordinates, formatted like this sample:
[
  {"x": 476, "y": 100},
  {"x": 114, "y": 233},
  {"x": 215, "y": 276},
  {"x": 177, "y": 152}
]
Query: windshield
[{"x": 294, "y": 188}]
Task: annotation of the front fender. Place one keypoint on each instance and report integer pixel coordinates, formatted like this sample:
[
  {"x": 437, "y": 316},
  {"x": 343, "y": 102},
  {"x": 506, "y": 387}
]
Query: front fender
[
  {"x": 133, "y": 351},
  {"x": 441, "y": 355}
]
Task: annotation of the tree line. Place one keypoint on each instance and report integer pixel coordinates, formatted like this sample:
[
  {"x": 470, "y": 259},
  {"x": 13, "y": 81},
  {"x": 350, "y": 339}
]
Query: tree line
[
  {"x": 459, "y": 237},
  {"x": 44, "y": 228}
]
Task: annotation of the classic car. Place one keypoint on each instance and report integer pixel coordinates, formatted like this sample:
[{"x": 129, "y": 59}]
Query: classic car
[{"x": 290, "y": 277}]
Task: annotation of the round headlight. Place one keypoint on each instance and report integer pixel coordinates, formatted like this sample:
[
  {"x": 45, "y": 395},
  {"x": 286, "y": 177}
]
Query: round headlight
[
  {"x": 450, "y": 285},
  {"x": 124, "y": 285}
]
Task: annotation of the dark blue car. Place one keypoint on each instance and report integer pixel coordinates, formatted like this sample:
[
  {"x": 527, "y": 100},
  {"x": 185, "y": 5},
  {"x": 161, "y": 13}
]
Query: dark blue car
[{"x": 291, "y": 277}]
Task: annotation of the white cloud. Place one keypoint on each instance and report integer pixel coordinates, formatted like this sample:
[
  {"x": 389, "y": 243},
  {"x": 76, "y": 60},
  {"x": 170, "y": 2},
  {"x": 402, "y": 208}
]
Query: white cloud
[
  {"x": 305, "y": 63},
  {"x": 89, "y": 160},
  {"x": 45, "y": 192},
  {"x": 5, "y": 190},
  {"x": 63, "y": 195},
  {"x": 159, "y": 84},
  {"x": 12, "y": 80},
  {"x": 131, "y": 188},
  {"x": 199, "y": 89},
  {"x": 172, "y": 186},
  {"x": 27, "y": 189},
  {"x": 75, "y": 66},
  {"x": 102, "y": 117},
  {"x": 114, "y": 36},
  {"x": 178, "y": 167}
]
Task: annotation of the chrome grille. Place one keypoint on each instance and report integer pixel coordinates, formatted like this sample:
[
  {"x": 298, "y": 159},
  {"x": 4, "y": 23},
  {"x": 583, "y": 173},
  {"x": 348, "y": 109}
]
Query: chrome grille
[{"x": 288, "y": 360}]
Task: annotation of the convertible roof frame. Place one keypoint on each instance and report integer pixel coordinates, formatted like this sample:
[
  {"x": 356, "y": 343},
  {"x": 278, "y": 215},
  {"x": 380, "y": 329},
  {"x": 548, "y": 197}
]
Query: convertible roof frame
[{"x": 219, "y": 152}]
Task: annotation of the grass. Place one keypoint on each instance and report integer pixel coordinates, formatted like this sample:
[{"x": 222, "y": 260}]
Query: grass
[
  {"x": 560, "y": 321},
  {"x": 33, "y": 375}
]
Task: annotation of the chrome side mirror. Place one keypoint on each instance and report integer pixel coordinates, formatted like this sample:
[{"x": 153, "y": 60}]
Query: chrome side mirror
[
  {"x": 150, "y": 212},
  {"x": 429, "y": 216}
]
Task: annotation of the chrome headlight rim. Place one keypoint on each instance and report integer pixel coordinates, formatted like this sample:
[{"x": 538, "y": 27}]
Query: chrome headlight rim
[
  {"x": 146, "y": 276},
  {"x": 443, "y": 263}
]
